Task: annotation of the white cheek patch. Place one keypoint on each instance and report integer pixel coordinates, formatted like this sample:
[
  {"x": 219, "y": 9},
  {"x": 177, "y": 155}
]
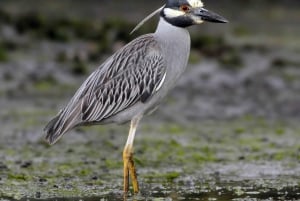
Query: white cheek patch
[
  {"x": 195, "y": 3},
  {"x": 173, "y": 13},
  {"x": 197, "y": 20}
]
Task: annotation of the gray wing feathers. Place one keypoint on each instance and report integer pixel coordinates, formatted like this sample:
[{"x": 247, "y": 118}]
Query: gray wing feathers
[
  {"x": 129, "y": 76},
  {"x": 133, "y": 85}
]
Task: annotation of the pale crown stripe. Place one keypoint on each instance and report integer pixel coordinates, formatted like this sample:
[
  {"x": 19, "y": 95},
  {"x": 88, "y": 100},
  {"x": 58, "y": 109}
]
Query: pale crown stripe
[{"x": 195, "y": 3}]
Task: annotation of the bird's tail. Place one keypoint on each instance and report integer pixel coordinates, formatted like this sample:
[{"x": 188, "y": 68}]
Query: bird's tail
[{"x": 63, "y": 122}]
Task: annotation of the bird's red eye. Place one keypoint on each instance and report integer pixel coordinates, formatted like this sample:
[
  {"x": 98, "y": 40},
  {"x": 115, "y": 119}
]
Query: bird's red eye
[{"x": 184, "y": 8}]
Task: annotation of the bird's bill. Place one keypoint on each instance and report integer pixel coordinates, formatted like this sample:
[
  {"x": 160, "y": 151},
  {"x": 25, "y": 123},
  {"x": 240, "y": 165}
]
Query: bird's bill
[{"x": 209, "y": 16}]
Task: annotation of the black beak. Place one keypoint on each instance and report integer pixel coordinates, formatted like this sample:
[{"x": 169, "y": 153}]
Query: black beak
[{"x": 209, "y": 16}]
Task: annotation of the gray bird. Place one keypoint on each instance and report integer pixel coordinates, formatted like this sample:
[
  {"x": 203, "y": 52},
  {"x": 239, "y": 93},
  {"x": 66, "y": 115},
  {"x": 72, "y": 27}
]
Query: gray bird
[{"x": 135, "y": 79}]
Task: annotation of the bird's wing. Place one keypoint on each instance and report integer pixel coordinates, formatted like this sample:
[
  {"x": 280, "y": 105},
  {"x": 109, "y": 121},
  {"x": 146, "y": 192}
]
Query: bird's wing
[
  {"x": 131, "y": 75},
  {"x": 137, "y": 73}
]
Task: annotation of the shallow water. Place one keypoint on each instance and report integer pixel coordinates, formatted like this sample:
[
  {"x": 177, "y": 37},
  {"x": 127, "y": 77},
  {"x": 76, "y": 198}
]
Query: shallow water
[{"x": 236, "y": 192}]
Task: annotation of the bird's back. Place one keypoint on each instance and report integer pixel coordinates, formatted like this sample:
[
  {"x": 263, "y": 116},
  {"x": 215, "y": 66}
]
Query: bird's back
[{"x": 129, "y": 76}]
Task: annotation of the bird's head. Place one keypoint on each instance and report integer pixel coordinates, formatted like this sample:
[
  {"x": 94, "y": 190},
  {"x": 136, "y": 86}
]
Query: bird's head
[{"x": 184, "y": 13}]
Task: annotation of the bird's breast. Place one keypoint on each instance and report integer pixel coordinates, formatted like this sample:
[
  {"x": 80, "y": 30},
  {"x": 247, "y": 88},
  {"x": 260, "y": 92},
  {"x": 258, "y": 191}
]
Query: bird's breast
[{"x": 176, "y": 54}]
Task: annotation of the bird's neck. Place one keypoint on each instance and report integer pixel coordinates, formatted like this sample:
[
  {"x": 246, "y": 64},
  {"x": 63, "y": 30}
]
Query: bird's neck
[
  {"x": 175, "y": 44},
  {"x": 175, "y": 40},
  {"x": 168, "y": 32}
]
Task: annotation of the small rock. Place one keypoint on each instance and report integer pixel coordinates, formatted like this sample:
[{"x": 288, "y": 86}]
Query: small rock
[
  {"x": 38, "y": 194},
  {"x": 42, "y": 180},
  {"x": 240, "y": 158},
  {"x": 3, "y": 166},
  {"x": 94, "y": 178},
  {"x": 26, "y": 164}
]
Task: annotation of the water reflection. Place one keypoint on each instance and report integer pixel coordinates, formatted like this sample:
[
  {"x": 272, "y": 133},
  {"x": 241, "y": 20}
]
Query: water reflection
[{"x": 220, "y": 193}]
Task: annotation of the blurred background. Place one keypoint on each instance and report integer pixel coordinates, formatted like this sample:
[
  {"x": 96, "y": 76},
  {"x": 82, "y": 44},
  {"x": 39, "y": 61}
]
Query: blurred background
[{"x": 246, "y": 69}]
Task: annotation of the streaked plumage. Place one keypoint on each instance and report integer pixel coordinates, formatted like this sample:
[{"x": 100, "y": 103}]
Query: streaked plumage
[
  {"x": 131, "y": 75},
  {"x": 134, "y": 80}
]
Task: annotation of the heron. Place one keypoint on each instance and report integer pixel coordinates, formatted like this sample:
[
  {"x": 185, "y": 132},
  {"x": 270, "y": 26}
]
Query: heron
[{"x": 133, "y": 81}]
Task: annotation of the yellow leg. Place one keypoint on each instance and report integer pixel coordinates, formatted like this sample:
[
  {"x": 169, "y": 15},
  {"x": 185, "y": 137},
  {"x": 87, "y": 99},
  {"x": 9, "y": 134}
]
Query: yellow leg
[
  {"x": 133, "y": 175},
  {"x": 129, "y": 168},
  {"x": 126, "y": 172}
]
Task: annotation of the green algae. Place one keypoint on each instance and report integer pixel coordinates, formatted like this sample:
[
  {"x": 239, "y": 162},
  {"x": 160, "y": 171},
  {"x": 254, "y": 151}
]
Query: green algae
[
  {"x": 169, "y": 176},
  {"x": 88, "y": 167},
  {"x": 4, "y": 57}
]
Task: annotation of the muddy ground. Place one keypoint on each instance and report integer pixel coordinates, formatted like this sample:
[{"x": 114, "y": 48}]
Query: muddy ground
[{"x": 228, "y": 131}]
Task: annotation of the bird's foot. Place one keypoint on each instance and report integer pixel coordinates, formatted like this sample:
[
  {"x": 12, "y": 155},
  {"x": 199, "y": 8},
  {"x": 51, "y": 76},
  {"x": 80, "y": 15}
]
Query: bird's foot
[{"x": 129, "y": 169}]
